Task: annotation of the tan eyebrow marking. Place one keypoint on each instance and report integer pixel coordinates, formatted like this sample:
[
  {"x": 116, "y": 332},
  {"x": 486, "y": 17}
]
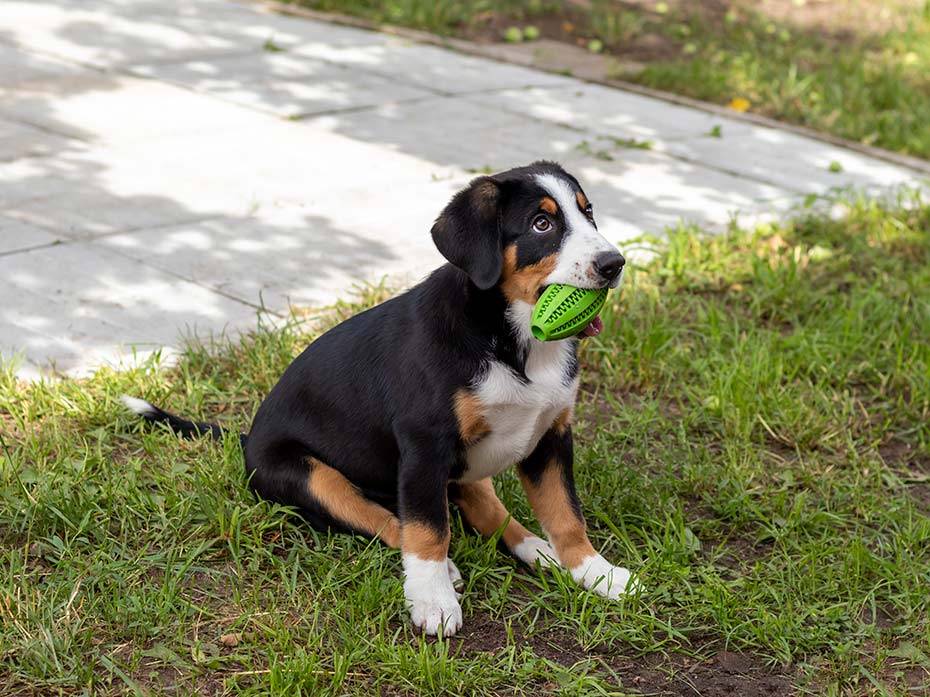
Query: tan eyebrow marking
[
  {"x": 582, "y": 201},
  {"x": 548, "y": 205}
]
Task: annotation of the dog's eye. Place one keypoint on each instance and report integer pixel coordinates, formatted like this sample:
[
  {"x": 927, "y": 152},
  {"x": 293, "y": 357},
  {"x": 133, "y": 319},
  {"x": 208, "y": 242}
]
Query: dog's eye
[
  {"x": 542, "y": 224},
  {"x": 589, "y": 211}
]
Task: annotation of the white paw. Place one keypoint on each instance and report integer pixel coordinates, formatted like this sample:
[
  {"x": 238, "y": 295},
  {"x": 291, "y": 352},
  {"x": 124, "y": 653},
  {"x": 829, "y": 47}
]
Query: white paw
[
  {"x": 534, "y": 549},
  {"x": 430, "y": 596},
  {"x": 597, "y": 574}
]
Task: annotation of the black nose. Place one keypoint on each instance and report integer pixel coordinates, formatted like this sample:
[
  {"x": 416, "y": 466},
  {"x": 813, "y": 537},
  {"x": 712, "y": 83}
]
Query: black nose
[{"x": 609, "y": 264}]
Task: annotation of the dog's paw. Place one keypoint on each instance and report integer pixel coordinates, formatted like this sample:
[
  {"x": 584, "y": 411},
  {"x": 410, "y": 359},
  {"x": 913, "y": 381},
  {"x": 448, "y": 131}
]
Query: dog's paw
[
  {"x": 430, "y": 596},
  {"x": 534, "y": 549},
  {"x": 597, "y": 574}
]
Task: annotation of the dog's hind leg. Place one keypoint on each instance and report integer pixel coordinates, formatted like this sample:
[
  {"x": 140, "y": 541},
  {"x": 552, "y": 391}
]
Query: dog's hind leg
[
  {"x": 486, "y": 514},
  {"x": 347, "y": 506}
]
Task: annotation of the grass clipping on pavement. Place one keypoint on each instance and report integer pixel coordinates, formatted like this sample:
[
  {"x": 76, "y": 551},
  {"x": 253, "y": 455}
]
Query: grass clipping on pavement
[{"x": 753, "y": 439}]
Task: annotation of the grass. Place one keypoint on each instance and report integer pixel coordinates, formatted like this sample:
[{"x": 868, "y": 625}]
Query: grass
[
  {"x": 865, "y": 84},
  {"x": 857, "y": 70},
  {"x": 753, "y": 439}
]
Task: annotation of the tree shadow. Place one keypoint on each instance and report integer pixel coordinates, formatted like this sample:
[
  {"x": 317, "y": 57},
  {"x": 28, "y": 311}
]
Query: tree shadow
[{"x": 144, "y": 141}]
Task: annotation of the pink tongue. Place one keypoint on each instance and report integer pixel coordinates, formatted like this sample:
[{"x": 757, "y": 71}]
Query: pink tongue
[{"x": 595, "y": 327}]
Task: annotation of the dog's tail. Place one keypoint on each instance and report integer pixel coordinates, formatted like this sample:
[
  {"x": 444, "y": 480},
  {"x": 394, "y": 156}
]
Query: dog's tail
[{"x": 183, "y": 427}]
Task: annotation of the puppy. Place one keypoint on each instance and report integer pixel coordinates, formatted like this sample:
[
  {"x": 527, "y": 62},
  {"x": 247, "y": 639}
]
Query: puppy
[{"x": 388, "y": 416}]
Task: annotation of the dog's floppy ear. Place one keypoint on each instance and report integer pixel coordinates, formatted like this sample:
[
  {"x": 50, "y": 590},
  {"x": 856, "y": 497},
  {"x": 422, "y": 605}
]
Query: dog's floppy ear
[{"x": 468, "y": 234}]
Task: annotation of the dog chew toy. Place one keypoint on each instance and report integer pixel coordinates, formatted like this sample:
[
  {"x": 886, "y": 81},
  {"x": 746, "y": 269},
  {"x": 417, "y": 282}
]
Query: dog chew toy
[{"x": 563, "y": 311}]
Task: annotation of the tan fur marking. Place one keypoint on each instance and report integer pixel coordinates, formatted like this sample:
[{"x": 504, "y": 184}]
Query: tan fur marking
[
  {"x": 566, "y": 531},
  {"x": 524, "y": 284},
  {"x": 486, "y": 514},
  {"x": 469, "y": 412},
  {"x": 549, "y": 205},
  {"x": 423, "y": 540},
  {"x": 582, "y": 201},
  {"x": 563, "y": 420},
  {"x": 344, "y": 502}
]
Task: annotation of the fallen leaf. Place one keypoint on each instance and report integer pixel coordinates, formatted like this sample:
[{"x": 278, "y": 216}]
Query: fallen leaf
[{"x": 739, "y": 104}]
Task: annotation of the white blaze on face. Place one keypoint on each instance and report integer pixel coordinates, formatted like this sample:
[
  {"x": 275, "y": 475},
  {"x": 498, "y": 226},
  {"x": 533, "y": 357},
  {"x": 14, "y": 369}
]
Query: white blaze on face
[{"x": 581, "y": 242}]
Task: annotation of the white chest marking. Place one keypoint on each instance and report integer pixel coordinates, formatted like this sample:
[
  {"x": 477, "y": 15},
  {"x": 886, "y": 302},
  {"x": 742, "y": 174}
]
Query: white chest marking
[{"x": 519, "y": 412}]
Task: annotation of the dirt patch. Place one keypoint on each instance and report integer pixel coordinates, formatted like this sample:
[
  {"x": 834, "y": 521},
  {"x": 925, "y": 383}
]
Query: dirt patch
[
  {"x": 878, "y": 616},
  {"x": 920, "y": 492},
  {"x": 639, "y": 32},
  {"x": 572, "y": 26},
  {"x": 909, "y": 680},
  {"x": 912, "y": 466},
  {"x": 724, "y": 673}
]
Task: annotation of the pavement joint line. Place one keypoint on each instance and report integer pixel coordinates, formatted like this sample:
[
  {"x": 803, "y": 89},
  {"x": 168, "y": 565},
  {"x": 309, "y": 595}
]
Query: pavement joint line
[
  {"x": 11, "y": 118},
  {"x": 131, "y": 68},
  {"x": 206, "y": 286},
  {"x": 33, "y": 248},
  {"x": 104, "y": 69},
  {"x": 254, "y": 109},
  {"x": 14, "y": 214},
  {"x": 428, "y": 88},
  {"x": 436, "y": 96},
  {"x": 434, "y": 93},
  {"x": 358, "y": 109}
]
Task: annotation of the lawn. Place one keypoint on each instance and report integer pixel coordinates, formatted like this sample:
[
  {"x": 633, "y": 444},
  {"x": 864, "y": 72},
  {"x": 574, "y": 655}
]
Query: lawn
[
  {"x": 753, "y": 439},
  {"x": 860, "y": 69}
]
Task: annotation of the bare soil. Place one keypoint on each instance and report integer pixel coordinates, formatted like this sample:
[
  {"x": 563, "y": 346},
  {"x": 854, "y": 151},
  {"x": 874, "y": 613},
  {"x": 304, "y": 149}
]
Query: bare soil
[
  {"x": 837, "y": 20},
  {"x": 914, "y": 468},
  {"x": 725, "y": 673}
]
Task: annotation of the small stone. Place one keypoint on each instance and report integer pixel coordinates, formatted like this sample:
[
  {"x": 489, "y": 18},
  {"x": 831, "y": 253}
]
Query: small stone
[{"x": 231, "y": 640}]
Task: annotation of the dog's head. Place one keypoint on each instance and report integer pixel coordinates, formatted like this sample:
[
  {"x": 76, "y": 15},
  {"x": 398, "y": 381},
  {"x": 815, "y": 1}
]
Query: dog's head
[{"x": 524, "y": 229}]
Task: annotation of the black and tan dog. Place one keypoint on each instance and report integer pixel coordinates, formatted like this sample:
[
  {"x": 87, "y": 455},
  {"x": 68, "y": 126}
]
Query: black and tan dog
[{"x": 424, "y": 398}]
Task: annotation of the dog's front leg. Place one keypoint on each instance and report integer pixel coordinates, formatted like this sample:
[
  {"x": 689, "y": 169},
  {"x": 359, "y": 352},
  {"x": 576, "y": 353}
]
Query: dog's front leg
[
  {"x": 547, "y": 476},
  {"x": 423, "y": 508}
]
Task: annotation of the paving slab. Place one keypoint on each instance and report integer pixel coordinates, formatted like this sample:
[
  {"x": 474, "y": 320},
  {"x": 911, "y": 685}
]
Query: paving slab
[
  {"x": 77, "y": 196},
  {"x": 438, "y": 69},
  {"x": 103, "y": 35},
  {"x": 779, "y": 158},
  {"x": 790, "y": 161},
  {"x": 306, "y": 256},
  {"x": 101, "y": 189},
  {"x": 118, "y": 110},
  {"x": 634, "y": 189},
  {"x": 18, "y": 140},
  {"x": 284, "y": 84},
  {"x": 455, "y": 132},
  {"x": 17, "y": 236},
  {"x": 17, "y": 66},
  {"x": 76, "y": 305},
  {"x": 608, "y": 111}
]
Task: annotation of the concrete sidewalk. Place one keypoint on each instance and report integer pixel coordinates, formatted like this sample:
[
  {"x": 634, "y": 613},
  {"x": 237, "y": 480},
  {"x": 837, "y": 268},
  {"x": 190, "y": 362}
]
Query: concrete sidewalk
[{"x": 169, "y": 167}]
